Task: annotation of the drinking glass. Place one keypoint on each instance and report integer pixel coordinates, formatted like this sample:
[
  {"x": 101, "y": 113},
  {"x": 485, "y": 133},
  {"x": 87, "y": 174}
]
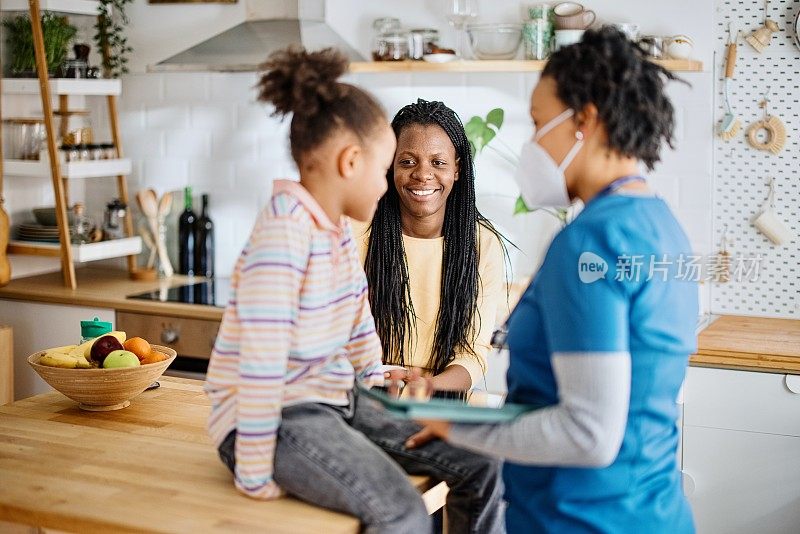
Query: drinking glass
[{"x": 459, "y": 13}]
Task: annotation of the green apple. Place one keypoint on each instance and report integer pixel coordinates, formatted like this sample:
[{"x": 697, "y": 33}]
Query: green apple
[{"x": 121, "y": 358}]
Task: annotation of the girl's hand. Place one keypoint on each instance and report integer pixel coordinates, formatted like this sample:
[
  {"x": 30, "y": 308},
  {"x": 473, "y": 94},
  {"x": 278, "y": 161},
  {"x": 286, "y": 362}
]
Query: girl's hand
[
  {"x": 397, "y": 374},
  {"x": 430, "y": 431}
]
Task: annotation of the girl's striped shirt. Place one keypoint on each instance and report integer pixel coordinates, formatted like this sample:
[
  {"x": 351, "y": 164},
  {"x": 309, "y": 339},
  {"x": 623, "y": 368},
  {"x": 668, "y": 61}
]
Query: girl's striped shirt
[{"x": 298, "y": 329}]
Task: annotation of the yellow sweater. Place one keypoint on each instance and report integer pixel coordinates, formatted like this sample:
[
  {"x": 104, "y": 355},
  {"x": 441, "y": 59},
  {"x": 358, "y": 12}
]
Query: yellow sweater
[{"x": 424, "y": 258}]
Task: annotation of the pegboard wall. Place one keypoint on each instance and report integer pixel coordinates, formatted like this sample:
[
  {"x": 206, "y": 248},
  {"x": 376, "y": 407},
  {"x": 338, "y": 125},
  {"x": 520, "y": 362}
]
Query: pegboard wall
[{"x": 741, "y": 173}]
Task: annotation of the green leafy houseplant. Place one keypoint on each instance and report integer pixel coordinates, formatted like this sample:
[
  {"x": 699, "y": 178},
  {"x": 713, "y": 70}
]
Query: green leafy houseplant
[
  {"x": 480, "y": 132},
  {"x": 58, "y": 33},
  {"x": 110, "y": 39}
]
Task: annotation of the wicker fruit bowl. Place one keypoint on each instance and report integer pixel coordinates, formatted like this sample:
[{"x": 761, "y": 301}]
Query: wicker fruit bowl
[{"x": 102, "y": 390}]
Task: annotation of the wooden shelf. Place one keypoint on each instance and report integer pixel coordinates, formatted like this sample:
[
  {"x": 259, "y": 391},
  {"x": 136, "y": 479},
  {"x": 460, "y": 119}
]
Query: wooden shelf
[
  {"x": 102, "y": 250},
  {"x": 74, "y": 7},
  {"x": 78, "y": 169},
  {"x": 512, "y": 65},
  {"x": 62, "y": 86}
]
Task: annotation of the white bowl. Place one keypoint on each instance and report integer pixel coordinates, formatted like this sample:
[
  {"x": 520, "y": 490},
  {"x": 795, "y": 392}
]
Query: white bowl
[{"x": 439, "y": 58}]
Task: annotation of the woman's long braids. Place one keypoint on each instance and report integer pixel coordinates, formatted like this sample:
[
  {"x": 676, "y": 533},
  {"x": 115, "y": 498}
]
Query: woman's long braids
[{"x": 387, "y": 274}]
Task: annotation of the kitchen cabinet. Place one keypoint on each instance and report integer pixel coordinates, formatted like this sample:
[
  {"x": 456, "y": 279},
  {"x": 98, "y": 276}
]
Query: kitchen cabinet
[
  {"x": 741, "y": 451},
  {"x": 39, "y": 326}
]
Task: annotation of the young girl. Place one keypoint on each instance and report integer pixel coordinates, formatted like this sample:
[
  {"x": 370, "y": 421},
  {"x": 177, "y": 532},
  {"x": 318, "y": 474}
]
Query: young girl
[{"x": 298, "y": 330}]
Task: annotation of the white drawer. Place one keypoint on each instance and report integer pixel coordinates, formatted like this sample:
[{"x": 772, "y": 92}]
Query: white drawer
[{"x": 742, "y": 400}]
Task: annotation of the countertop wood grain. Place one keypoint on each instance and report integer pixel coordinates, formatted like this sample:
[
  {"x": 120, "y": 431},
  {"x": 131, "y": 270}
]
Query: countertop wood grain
[
  {"x": 149, "y": 467},
  {"x": 106, "y": 288},
  {"x": 750, "y": 344}
]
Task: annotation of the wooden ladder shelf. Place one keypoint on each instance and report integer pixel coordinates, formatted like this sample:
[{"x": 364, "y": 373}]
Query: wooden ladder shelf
[{"x": 59, "y": 180}]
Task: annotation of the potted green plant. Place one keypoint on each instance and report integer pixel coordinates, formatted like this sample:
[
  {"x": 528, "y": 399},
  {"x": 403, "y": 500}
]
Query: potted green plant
[
  {"x": 110, "y": 37},
  {"x": 58, "y": 33},
  {"x": 480, "y": 132}
]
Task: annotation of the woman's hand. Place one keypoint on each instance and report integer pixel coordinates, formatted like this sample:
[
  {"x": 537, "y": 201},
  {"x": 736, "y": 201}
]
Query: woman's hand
[{"x": 430, "y": 431}]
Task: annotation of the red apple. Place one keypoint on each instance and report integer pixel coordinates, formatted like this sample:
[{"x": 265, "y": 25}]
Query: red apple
[{"x": 103, "y": 347}]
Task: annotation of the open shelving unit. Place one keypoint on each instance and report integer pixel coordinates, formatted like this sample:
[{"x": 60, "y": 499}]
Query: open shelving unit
[
  {"x": 75, "y": 169},
  {"x": 51, "y": 166},
  {"x": 63, "y": 86},
  {"x": 510, "y": 65}
]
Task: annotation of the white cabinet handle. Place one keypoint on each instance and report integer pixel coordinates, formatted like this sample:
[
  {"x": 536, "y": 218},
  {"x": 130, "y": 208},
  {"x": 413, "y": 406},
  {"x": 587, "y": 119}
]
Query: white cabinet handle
[
  {"x": 688, "y": 483},
  {"x": 792, "y": 383}
]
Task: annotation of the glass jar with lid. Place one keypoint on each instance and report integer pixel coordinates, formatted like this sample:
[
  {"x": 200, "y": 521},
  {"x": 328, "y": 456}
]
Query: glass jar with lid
[
  {"x": 380, "y": 28},
  {"x": 75, "y": 127},
  {"x": 391, "y": 46},
  {"x": 422, "y": 41}
]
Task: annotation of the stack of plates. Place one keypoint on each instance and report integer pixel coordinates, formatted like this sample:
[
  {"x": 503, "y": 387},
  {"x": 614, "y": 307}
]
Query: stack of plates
[{"x": 38, "y": 232}]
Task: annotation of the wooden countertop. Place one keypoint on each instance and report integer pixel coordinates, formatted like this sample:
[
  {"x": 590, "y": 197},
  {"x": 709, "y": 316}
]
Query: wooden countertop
[
  {"x": 149, "y": 467},
  {"x": 106, "y": 288},
  {"x": 750, "y": 344}
]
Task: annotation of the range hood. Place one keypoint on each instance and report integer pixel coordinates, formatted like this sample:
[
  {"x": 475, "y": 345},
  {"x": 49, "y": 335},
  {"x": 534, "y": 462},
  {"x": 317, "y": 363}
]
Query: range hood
[{"x": 269, "y": 25}]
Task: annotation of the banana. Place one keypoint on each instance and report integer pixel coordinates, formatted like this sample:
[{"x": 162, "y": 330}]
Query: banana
[
  {"x": 58, "y": 359},
  {"x": 66, "y": 361},
  {"x": 66, "y": 349},
  {"x": 121, "y": 336}
]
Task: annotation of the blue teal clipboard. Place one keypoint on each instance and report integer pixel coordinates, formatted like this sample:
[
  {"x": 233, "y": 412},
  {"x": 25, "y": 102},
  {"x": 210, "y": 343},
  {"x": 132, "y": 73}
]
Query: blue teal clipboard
[{"x": 445, "y": 410}]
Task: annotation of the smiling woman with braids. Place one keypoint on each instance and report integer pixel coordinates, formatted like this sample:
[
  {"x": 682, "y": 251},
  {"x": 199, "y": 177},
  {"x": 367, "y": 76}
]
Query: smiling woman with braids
[{"x": 434, "y": 264}]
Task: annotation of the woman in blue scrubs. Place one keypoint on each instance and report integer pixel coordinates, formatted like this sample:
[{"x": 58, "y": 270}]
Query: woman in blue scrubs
[{"x": 603, "y": 333}]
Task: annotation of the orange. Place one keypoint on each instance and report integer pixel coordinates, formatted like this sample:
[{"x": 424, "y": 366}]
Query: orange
[
  {"x": 140, "y": 347},
  {"x": 154, "y": 357}
]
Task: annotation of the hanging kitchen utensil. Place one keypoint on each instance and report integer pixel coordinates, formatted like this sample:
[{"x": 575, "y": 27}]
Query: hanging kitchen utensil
[
  {"x": 761, "y": 38},
  {"x": 773, "y": 138},
  {"x": 730, "y": 125},
  {"x": 720, "y": 268},
  {"x": 769, "y": 223}
]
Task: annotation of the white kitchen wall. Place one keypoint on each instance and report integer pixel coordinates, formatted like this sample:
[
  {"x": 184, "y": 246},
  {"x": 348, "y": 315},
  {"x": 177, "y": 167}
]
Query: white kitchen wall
[{"x": 204, "y": 129}]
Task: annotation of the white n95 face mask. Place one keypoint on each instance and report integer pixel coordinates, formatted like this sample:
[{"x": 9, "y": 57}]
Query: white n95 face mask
[{"x": 541, "y": 180}]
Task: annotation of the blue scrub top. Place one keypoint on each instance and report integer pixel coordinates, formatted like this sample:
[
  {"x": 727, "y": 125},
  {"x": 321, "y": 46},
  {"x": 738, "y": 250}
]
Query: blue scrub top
[{"x": 589, "y": 297}]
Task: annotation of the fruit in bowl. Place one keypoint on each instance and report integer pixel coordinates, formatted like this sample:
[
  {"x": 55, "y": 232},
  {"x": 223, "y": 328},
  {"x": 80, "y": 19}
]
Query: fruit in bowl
[
  {"x": 121, "y": 358},
  {"x": 124, "y": 374},
  {"x": 103, "y": 347}
]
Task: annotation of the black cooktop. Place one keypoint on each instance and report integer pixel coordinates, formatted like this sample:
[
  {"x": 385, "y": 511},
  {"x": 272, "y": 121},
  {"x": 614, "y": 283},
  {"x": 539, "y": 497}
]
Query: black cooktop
[{"x": 213, "y": 292}]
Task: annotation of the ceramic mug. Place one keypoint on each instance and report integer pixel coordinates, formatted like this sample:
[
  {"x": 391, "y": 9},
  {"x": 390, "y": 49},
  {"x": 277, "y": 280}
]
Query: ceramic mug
[
  {"x": 567, "y": 37},
  {"x": 573, "y": 16},
  {"x": 679, "y": 47}
]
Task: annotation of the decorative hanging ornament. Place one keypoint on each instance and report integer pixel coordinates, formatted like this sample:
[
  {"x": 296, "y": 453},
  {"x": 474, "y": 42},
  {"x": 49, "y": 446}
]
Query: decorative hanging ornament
[{"x": 773, "y": 138}]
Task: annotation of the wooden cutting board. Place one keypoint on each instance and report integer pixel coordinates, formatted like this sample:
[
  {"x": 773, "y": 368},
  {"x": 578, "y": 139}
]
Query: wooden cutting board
[{"x": 750, "y": 343}]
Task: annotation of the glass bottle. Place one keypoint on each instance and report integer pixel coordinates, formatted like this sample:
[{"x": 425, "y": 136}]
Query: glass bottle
[
  {"x": 204, "y": 243},
  {"x": 186, "y": 228},
  {"x": 82, "y": 226}
]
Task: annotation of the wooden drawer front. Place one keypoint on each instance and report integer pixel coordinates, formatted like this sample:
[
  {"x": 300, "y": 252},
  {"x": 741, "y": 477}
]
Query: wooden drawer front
[
  {"x": 742, "y": 400},
  {"x": 189, "y": 337}
]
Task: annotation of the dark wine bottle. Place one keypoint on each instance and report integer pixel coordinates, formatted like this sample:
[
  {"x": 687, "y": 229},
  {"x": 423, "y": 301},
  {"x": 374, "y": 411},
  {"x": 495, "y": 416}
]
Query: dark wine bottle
[
  {"x": 186, "y": 231},
  {"x": 204, "y": 243}
]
